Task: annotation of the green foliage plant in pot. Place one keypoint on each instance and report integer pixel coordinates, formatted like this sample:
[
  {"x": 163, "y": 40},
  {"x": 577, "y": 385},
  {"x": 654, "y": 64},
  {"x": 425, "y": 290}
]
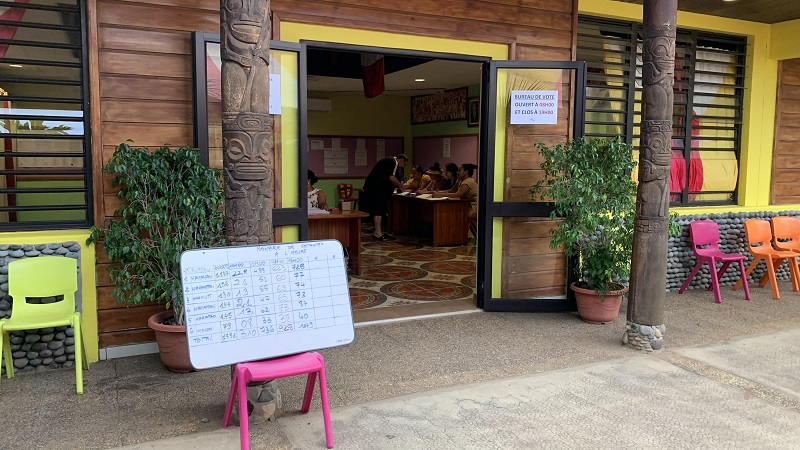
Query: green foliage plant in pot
[
  {"x": 172, "y": 203},
  {"x": 589, "y": 184}
]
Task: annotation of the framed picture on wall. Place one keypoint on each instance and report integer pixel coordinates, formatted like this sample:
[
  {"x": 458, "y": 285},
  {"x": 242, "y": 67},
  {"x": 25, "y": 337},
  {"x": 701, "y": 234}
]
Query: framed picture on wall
[
  {"x": 446, "y": 106},
  {"x": 473, "y": 111}
]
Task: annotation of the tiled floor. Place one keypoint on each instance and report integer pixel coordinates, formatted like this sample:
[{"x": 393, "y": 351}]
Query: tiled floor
[{"x": 407, "y": 276}]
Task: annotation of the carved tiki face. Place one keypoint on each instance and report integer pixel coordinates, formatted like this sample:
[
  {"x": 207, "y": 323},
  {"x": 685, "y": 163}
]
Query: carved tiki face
[
  {"x": 244, "y": 18},
  {"x": 248, "y": 147}
]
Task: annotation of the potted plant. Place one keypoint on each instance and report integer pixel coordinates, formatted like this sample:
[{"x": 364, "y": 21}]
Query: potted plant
[
  {"x": 589, "y": 183},
  {"x": 172, "y": 203}
]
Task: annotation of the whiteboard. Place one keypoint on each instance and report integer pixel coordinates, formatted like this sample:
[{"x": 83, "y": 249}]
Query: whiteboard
[{"x": 262, "y": 301}]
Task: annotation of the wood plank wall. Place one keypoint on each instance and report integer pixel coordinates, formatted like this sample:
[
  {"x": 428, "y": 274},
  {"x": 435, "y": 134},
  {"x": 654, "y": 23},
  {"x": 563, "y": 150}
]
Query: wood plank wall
[
  {"x": 145, "y": 89},
  {"x": 786, "y": 156},
  {"x": 144, "y": 80}
]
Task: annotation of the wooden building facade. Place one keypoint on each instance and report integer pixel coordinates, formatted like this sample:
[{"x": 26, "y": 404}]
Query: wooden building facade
[{"x": 139, "y": 86}]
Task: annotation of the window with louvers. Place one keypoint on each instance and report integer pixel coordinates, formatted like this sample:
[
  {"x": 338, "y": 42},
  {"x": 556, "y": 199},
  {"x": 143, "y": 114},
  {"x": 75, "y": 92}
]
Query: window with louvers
[
  {"x": 45, "y": 178},
  {"x": 708, "y": 107}
]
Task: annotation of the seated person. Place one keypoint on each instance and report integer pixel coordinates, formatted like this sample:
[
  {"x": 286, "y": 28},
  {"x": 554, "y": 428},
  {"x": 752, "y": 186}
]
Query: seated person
[
  {"x": 465, "y": 187},
  {"x": 316, "y": 197},
  {"x": 449, "y": 177},
  {"x": 418, "y": 182},
  {"x": 437, "y": 180}
]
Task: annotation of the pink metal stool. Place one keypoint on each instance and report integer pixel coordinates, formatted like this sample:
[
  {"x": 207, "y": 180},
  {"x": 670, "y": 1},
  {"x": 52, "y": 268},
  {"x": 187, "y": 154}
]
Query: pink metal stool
[{"x": 311, "y": 363}]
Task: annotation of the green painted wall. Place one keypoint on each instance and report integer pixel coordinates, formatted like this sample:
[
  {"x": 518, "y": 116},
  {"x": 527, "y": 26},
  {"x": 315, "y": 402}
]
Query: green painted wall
[{"x": 37, "y": 199}]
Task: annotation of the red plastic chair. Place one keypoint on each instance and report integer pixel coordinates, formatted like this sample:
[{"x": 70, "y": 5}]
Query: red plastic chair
[
  {"x": 345, "y": 193},
  {"x": 759, "y": 236},
  {"x": 706, "y": 233},
  {"x": 310, "y": 363}
]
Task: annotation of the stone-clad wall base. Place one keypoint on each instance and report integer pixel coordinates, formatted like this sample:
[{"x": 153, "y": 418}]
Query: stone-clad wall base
[
  {"x": 644, "y": 337},
  {"x": 732, "y": 240},
  {"x": 45, "y": 348}
]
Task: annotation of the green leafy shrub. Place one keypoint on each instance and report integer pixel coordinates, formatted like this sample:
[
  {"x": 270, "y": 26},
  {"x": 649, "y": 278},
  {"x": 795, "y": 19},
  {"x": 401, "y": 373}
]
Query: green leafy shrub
[
  {"x": 172, "y": 203},
  {"x": 589, "y": 183}
]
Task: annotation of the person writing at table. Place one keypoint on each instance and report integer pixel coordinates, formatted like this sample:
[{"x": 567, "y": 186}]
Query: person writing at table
[
  {"x": 418, "y": 182},
  {"x": 466, "y": 187},
  {"x": 316, "y": 197},
  {"x": 378, "y": 188},
  {"x": 450, "y": 176}
]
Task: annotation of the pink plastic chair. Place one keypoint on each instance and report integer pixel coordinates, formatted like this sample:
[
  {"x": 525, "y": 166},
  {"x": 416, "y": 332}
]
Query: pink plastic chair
[
  {"x": 706, "y": 233},
  {"x": 310, "y": 363}
]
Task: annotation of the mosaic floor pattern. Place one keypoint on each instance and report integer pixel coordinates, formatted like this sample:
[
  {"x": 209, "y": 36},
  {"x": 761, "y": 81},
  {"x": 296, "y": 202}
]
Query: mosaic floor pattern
[{"x": 408, "y": 271}]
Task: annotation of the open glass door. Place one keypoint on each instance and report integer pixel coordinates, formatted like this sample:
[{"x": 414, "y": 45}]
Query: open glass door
[
  {"x": 523, "y": 102},
  {"x": 288, "y": 108}
]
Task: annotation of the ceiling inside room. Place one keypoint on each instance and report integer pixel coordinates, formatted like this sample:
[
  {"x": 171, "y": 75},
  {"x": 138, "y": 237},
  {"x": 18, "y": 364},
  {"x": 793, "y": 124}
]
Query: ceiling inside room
[
  {"x": 339, "y": 73},
  {"x": 766, "y": 11}
]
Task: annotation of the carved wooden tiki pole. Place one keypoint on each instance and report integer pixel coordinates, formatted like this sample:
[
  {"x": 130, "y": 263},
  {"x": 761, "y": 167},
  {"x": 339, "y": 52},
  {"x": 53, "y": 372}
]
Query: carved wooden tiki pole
[
  {"x": 645, "y": 327},
  {"x": 246, "y": 123}
]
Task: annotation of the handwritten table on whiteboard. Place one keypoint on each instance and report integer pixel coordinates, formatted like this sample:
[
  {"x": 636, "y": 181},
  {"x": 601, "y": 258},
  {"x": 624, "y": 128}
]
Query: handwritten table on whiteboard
[{"x": 263, "y": 301}]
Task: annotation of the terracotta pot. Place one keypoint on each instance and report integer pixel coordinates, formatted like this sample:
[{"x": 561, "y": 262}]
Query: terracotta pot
[
  {"x": 172, "y": 346},
  {"x": 596, "y": 308}
]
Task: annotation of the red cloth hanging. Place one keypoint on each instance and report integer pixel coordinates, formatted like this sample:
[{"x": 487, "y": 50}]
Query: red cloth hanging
[
  {"x": 7, "y": 31},
  {"x": 372, "y": 73}
]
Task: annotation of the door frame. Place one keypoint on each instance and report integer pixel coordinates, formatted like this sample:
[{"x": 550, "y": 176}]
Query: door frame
[
  {"x": 297, "y": 216},
  {"x": 489, "y": 209}
]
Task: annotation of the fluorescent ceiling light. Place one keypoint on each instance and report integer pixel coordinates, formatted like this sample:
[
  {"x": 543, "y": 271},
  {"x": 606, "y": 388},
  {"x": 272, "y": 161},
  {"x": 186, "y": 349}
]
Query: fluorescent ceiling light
[
  {"x": 15, "y": 65},
  {"x": 419, "y": 79}
]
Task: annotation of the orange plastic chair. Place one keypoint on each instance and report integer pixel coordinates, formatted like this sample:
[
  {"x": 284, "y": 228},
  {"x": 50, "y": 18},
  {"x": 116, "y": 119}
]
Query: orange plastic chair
[
  {"x": 759, "y": 236},
  {"x": 786, "y": 233},
  {"x": 345, "y": 193}
]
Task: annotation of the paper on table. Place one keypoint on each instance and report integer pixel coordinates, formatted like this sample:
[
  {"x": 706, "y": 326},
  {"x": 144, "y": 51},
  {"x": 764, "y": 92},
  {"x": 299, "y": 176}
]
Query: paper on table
[{"x": 315, "y": 211}]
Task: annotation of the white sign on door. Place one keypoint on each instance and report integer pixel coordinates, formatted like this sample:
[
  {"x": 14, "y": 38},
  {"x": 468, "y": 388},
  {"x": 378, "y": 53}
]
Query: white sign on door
[
  {"x": 534, "y": 107},
  {"x": 274, "y": 93}
]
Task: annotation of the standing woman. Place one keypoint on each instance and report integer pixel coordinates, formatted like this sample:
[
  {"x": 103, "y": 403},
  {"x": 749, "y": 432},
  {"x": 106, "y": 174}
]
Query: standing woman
[
  {"x": 466, "y": 187},
  {"x": 316, "y": 197}
]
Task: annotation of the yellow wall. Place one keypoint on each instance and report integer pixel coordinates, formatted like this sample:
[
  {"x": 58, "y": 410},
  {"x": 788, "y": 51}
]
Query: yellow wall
[
  {"x": 760, "y": 94},
  {"x": 88, "y": 276},
  {"x": 783, "y": 44},
  {"x": 358, "y": 116}
]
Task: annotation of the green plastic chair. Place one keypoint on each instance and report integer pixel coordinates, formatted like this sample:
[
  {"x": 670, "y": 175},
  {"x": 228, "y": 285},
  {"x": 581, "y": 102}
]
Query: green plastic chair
[{"x": 43, "y": 276}]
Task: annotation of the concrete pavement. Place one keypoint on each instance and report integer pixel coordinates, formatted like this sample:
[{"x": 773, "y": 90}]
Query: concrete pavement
[{"x": 728, "y": 378}]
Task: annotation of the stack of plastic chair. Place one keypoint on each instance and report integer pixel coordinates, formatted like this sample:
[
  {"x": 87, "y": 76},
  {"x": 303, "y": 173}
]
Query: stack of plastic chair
[
  {"x": 759, "y": 236},
  {"x": 41, "y": 277},
  {"x": 345, "y": 193},
  {"x": 310, "y": 363},
  {"x": 705, "y": 244},
  {"x": 786, "y": 233}
]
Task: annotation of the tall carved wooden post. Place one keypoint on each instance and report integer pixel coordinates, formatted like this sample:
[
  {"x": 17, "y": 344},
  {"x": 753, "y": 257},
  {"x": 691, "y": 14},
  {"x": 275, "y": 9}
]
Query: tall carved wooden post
[
  {"x": 645, "y": 328},
  {"x": 248, "y": 163},
  {"x": 246, "y": 123}
]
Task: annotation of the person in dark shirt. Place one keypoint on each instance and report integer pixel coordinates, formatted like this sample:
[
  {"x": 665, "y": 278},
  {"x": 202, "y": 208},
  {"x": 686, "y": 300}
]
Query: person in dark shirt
[{"x": 378, "y": 188}]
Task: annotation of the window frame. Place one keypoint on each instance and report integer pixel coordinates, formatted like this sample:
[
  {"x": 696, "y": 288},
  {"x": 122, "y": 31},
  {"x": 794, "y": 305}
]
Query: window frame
[
  {"x": 628, "y": 33},
  {"x": 83, "y": 99}
]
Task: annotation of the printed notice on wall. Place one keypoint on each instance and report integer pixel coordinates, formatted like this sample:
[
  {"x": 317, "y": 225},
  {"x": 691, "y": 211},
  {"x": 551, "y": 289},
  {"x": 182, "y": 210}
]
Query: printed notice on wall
[
  {"x": 381, "y": 152},
  {"x": 534, "y": 107},
  {"x": 274, "y": 93},
  {"x": 361, "y": 157},
  {"x": 335, "y": 161},
  {"x": 446, "y": 148},
  {"x": 317, "y": 144},
  {"x": 336, "y": 143}
]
